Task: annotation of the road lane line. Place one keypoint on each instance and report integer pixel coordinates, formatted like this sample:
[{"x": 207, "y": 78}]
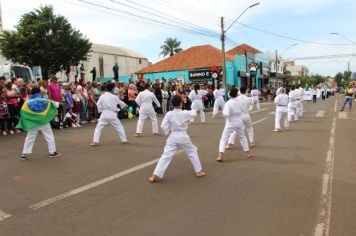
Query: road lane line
[
  {"x": 335, "y": 108},
  {"x": 322, "y": 227},
  {"x": 259, "y": 121},
  {"x": 4, "y": 215},
  {"x": 259, "y": 110},
  {"x": 94, "y": 184},
  {"x": 320, "y": 114}
]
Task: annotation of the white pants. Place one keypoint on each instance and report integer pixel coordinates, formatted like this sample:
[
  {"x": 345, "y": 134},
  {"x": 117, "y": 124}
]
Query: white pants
[
  {"x": 219, "y": 103},
  {"x": 31, "y": 138},
  {"x": 199, "y": 107},
  {"x": 228, "y": 130},
  {"x": 115, "y": 122},
  {"x": 256, "y": 102},
  {"x": 300, "y": 107},
  {"x": 164, "y": 106},
  {"x": 141, "y": 121},
  {"x": 292, "y": 113},
  {"x": 246, "y": 121},
  {"x": 281, "y": 114},
  {"x": 174, "y": 142}
]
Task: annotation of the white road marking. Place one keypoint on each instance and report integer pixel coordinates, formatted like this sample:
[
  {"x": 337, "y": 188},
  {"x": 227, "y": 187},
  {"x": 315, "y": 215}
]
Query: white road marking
[
  {"x": 94, "y": 184},
  {"x": 322, "y": 227},
  {"x": 343, "y": 115},
  {"x": 335, "y": 108},
  {"x": 320, "y": 114},
  {"x": 272, "y": 113},
  {"x": 259, "y": 121},
  {"x": 4, "y": 215},
  {"x": 256, "y": 111}
]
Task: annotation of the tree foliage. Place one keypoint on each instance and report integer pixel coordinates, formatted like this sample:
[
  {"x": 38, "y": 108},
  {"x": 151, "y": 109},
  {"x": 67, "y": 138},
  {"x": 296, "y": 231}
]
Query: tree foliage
[
  {"x": 310, "y": 81},
  {"x": 170, "y": 47},
  {"x": 44, "y": 39}
]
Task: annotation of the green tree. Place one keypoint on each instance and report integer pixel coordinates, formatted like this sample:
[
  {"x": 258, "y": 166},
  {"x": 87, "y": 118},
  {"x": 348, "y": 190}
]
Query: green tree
[
  {"x": 170, "y": 47},
  {"x": 338, "y": 78},
  {"x": 44, "y": 39}
]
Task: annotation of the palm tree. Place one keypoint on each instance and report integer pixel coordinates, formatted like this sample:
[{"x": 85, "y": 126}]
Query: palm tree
[{"x": 170, "y": 47}]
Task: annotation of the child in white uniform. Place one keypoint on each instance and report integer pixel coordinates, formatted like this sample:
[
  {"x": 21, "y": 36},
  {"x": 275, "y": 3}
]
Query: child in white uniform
[
  {"x": 233, "y": 112},
  {"x": 195, "y": 97},
  {"x": 175, "y": 123},
  {"x": 219, "y": 94},
  {"x": 281, "y": 102}
]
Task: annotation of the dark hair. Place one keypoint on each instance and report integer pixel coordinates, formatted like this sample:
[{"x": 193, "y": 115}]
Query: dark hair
[
  {"x": 254, "y": 87},
  {"x": 233, "y": 92},
  {"x": 2, "y": 78},
  {"x": 293, "y": 87},
  {"x": 35, "y": 90},
  {"x": 196, "y": 88},
  {"x": 243, "y": 89},
  {"x": 176, "y": 100},
  {"x": 218, "y": 86},
  {"x": 147, "y": 85},
  {"x": 110, "y": 87}
]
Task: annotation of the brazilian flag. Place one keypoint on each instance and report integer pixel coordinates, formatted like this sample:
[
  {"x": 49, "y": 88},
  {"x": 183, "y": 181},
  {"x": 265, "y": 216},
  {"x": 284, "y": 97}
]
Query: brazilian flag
[{"x": 36, "y": 113}]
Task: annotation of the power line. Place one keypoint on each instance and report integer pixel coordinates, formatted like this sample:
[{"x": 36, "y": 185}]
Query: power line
[
  {"x": 321, "y": 57},
  {"x": 291, "y": 38},
  {"x": 172, "y": 18},
  {"x": 162, "y": 23}
]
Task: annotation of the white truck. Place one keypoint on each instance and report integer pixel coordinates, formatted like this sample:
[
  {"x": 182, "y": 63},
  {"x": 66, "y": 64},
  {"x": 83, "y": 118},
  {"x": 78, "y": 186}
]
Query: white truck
[{"x": 11, "y": 70}]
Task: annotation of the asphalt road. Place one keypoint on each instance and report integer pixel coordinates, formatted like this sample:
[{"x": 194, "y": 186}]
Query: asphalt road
[{"x": 300, "y": 182}]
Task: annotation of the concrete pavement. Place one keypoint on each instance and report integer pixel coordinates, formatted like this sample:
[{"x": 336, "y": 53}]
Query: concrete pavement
[{"x": 277, "y": 192}]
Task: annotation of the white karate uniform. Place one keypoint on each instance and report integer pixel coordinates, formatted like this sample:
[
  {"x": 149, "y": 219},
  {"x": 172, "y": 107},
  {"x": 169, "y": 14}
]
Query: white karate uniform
[
  {"x": 233, "y": 112},
  {"x": 31, "y": 138},
  {"x": 246, "y": 119},
  {"x": 300, "y": 102},
  {"x": 176, "y": 123},
  {"x": 281, "y": 102},
  {"x": 219, "y": 100},
  {"x": 292, "y": 105},
  {"x": 107, "y": 106},
  {"x": 255, "y": 95},
  {"x": 145, "y": 99},
  {"x": 197, "y": 103}
]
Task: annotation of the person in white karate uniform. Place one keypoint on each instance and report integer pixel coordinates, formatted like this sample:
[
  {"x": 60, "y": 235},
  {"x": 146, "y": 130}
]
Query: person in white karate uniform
[
  {"x": 300, "y": 102},
  {"x": 45, "y": 129},
  {"x": 281, "y": 102},
  {"x": 255, "y": 95},
  {"x": 219, "y": 94},
  {"x": 107, "y": 106},
  {"x": 144, "y": 100},
  {"x": 175, "y": 124},
  {"x": 246, "y": 119},
  {"x": 292, "y": 105},
  {"x": 195, "y": 97},
  {"x": 233, "y": 112}
]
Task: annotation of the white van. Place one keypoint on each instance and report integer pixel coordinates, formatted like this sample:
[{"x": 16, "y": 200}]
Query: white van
[{"x": 20, "y": 71}]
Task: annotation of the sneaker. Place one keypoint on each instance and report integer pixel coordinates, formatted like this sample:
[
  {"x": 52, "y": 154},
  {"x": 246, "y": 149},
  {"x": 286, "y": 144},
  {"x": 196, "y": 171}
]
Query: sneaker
[
  {"x": 12, "y": 132},
  {"x": 74, "y": 126},
  {"x": 78, "y": 125},
  {"x": 55, "y": 154},
  {"x": 24, "y": 157},
  {"x": 4, "y": 133},
  {"x": 17, "y": 131}
]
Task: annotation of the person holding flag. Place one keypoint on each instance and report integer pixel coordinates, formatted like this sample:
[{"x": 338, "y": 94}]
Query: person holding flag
[{"x": 36, "y": 114}]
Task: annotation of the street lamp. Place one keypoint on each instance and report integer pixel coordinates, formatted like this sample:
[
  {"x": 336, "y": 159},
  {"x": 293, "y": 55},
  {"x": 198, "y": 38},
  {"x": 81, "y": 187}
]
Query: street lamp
[{"x": 223, "y": 32}]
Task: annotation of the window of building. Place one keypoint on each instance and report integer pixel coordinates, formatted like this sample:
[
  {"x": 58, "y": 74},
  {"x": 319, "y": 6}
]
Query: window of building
[{"x": 139, "y": 61}]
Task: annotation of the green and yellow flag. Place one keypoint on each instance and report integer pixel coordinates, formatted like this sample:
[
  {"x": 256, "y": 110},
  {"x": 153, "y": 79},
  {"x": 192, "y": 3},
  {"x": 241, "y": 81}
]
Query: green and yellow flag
[{"x": 36, "y": 114}]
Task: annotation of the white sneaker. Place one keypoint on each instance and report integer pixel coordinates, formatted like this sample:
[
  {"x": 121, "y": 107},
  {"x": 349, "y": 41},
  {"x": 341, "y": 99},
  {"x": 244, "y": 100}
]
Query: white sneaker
[
  {"x": 74, "y": 126},
  {"x": 4, "y": 133},
  {"x": 78, "y": 125},
  {"x": 12, "y": 132}
]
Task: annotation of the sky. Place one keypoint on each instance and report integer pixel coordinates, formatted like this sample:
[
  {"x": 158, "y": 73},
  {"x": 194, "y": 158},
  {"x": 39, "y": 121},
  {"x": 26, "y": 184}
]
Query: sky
[{"x": 307, "y": 20}]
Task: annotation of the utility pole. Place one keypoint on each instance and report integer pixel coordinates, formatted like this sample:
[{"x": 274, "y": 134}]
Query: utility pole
[
  {"x": 276, "y": 64},
  {"x": 348, "y": 66},
  {"x": 223, "y": 52}
]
